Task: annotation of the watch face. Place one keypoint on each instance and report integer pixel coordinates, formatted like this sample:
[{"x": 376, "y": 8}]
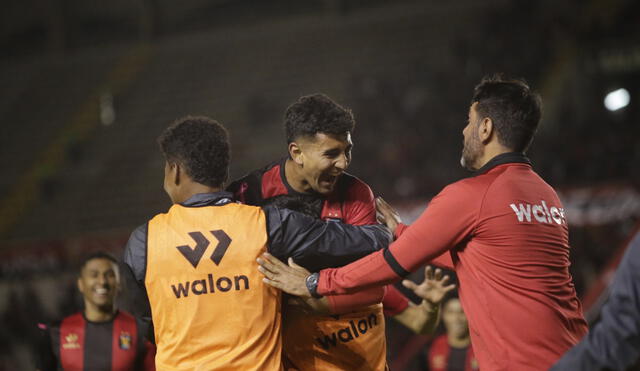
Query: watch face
[
  {"x": 312, "y": 284},
  {"x": 312, "y": 279}
]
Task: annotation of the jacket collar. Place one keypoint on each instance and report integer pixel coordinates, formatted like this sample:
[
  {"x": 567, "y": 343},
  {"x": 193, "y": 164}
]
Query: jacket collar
[
  {"x": 209, "y": 199},
  {"x": 501, "y": 159}
]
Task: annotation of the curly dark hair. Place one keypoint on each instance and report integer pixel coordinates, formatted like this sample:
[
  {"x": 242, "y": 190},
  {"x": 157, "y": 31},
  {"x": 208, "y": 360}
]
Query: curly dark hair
[
  {"x": 201, "y": 145},
  {"x": 317, "y": 113},
  {"x": 512, "y": 106}
]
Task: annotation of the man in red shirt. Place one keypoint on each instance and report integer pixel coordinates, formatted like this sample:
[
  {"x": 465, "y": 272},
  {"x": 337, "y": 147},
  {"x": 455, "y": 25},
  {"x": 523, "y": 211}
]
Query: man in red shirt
[
  {"x": 452, "y": 351},
  {"x": 504, "y": 231}
]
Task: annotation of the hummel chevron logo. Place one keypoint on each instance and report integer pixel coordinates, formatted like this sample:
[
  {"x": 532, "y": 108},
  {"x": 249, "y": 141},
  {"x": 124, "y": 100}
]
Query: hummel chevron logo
[{"x": 193, "y": 255}]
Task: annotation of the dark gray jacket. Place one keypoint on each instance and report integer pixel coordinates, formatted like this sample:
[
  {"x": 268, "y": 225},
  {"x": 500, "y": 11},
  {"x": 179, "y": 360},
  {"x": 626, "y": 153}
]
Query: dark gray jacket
[{"x": 614, "y": 342}]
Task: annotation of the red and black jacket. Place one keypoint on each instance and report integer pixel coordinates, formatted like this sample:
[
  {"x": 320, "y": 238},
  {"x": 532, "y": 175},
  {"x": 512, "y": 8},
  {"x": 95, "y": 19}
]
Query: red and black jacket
[
  {"x": 351, "y": 202},
  {"x": 76, "y": 344},
  {"x": 444, "y": 357}
]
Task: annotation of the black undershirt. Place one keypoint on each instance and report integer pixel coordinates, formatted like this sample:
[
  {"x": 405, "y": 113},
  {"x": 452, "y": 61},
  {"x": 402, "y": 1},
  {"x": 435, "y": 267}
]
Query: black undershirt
[
  {"x": 457, "y": 359},
  {"x": 98, "y": 345}
]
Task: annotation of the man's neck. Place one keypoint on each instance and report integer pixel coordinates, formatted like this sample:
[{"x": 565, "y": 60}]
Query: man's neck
[
  {"x": 491, "y": 151},
  {"x": 192, "y": 188},
  {"x": 95, "y": 314},
  {"x": 294, "y": 178}
]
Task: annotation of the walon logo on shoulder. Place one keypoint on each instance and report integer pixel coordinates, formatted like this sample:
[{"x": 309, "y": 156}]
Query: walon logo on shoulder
[{"x": 210, "y": 284}]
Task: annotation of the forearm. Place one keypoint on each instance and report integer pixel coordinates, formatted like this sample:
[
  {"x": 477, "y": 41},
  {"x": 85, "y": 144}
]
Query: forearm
[
  {"x": 422, "y": 319},
  {"x": 431, "y": 318},
  {"x": 383, "y": 267},
  {"x": 370, "y": 271},
  {"x": 341, "y": 304}
]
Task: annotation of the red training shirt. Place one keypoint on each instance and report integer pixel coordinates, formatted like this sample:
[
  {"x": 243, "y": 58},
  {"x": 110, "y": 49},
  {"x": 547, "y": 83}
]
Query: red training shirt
[{"x": 507, "y": 235}]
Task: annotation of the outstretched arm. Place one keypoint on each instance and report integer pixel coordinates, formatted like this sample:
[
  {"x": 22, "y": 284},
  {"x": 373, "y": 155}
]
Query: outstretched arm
[
  {"x": 449, "y": 219},
  {"x": 317, "y": 244},
  {"x": 389, "y": 216}
]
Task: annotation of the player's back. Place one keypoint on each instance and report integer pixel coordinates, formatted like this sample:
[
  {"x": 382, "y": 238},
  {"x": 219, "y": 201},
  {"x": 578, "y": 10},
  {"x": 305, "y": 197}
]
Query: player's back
[
  {"x": 514, "y": 271},
  {"x": 210, "y": 308}
]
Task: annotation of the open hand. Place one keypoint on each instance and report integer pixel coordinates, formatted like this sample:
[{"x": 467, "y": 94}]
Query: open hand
[
  {"x": 433, "y": 288},
  {"x": 387, "y": 215},
  {"x": 288, "y": 278}
]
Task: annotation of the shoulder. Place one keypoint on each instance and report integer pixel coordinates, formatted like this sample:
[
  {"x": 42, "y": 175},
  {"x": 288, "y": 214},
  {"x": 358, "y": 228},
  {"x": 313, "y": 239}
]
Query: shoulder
[
  {"x": 354, "y": 188},
  {"x": 125, "y": 316},
  {"x": 248, "y": 188},
  {"x": 467, "y": 189},
  {"x": 250, "y": 177},
  {"x": 50, "y": 326},
  {"x": 74, "y": 320},
  {"x": 353, "y": 183},
  {"x": 438, "y": 345},
  {"x": 238, "y": 207},
  {"x": 138, "y": 238}
]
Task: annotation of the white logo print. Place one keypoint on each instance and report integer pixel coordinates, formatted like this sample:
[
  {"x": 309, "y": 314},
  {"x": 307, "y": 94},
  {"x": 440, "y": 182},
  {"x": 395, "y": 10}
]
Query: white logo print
[{"x": 540, "y": 212}]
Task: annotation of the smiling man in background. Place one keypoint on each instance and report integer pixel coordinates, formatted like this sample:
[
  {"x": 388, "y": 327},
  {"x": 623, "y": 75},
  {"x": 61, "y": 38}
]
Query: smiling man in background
[{"x": 101, "y": 337}]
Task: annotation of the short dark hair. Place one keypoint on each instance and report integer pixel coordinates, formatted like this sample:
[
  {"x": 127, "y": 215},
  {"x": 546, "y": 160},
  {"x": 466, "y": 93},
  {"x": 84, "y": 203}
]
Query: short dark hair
[
  {"x": 317, "y": 113},
  {"x": 513, "y": 107},
  {"x": 95, "y": 255},
  {"x": 201, "y": 145}
]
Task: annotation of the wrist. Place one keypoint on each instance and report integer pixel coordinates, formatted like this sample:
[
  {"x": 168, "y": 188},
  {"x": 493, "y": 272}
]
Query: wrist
[
  {"x": 312, "y": 284},
  {"x": 430, "y": 306}
]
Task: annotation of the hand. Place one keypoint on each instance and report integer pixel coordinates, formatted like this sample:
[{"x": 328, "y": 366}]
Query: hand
[
  {"x": 433, "y": 288},
  {"x": 387, "y": 215},
  {"x": 288, "y": 278}
]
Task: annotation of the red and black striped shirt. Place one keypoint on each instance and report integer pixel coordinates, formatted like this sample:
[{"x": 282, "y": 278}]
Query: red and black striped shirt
[{"x": 76, "y": 343}]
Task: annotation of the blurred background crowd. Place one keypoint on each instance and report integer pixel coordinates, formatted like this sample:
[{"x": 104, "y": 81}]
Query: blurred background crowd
[{"x": 87, "y": 86}]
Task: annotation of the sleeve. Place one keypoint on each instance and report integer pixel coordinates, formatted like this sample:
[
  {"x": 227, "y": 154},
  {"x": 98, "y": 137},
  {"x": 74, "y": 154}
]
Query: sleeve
[
  {"x": 360, "y": 209},
  {"x": 400, "y": 230},
  {"x": 394, "y": 302},
  {"x": 443, "y": 261},
  {"x": 446, "y": 222},
  {"x": 341, "y": 304},
  {"x": 134, "y": 271},
  {"x": 317, "y": 244},
  {"x": 614, "y": 342},
  {"x": 247, "y": 189},
  {"x": 360, "y": 205},
  {"x": 46, "y": 359}
]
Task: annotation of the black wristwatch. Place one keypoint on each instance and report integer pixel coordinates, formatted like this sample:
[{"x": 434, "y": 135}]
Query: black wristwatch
[{"x": 312, "y": 284}]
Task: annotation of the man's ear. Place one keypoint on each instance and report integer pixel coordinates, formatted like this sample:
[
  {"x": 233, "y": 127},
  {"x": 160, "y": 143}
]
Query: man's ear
[
  {"x": 296, "y": 153},
  {"x": 176, "y": 172},
  {"x": 80, "y": 285},
  {"x": 485, "y": 130}
]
